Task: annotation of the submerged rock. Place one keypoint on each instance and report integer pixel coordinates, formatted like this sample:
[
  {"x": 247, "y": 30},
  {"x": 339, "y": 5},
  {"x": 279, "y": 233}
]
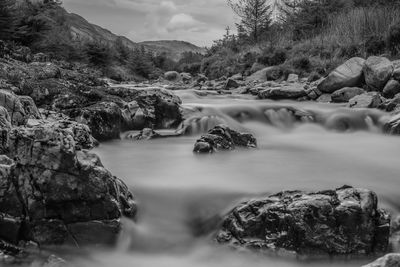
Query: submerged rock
[
  {"x": 390, "y": 260},
  {"x": 377, "y": 72},
  {"x": 349, "y": 74},
  {"x": 345, "y": 94},
  {"x": 341, "y": 221},
  {"x": 222, "y": 137}
]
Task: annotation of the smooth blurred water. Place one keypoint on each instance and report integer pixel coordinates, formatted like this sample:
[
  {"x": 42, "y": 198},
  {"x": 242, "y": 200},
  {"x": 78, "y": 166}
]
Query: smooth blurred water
[{"x": 174, "y": 187}]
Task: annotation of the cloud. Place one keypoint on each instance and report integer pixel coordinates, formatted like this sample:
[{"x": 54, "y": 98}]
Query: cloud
[{"x": 183, "y": 21}]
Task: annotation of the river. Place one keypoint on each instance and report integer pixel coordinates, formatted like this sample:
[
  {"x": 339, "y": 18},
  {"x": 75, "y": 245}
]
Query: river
[{"x": 175, "y": 188}]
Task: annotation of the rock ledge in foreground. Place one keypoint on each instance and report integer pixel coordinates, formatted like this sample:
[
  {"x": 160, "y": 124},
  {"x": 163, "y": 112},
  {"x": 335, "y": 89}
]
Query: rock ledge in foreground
[
  {"x": 222, "y": 137},
  {"x": 390, "y": 260},
  {"x": 335, "y": 222}
]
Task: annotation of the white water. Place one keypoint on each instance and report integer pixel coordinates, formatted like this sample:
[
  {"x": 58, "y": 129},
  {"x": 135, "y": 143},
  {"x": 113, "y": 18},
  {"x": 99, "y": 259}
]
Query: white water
[{"x": 174, "y": 187}]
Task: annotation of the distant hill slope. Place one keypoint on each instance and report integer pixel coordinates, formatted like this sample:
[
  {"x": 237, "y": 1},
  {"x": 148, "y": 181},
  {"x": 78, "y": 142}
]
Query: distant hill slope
[
  {"x": 70, "y": 28},
  {"x": 173, "y": 48}
]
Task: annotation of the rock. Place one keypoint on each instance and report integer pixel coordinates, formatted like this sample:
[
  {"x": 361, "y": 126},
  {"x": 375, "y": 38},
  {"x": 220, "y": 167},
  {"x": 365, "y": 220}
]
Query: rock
[
  {"x": 366, "y": 100},
  {"x": 145, "y": 134},
  {"x": 13, "y": 105},
  {"x": 104, "y": 120},
  {"x": 237, "y": 77},
  {"x": 396, "y": 74},
  {"x": 5, "y": 127},
  {"x": 267, "y": 74},
  {"x": 325, "y": 98},
  {"x": 46, "y": 70},
  {"x": 172, "y": 76},
  {"x": 293, "y": 91},
  {"x": 345, "y": 94},
  {"x": 201, "y": 79},
  {"x": 29, "y": 106},
  {"x": 256, "y": 67},
  {"x": 342, "y": 221},
  {"x": 223, "y": 138},
  {"x": 393, "y": 125},
  {"x": 65, "y": 193},
  {"x": 231, "y": 83},
  {"x": 389, "y": 260},
  {"x": 349, "y": 74},
  {"x": 293, "y": 78},
  {"x": 313, "y": 93},
  {"x": 186, "y": 77},
  {"x": 377, "y": 72},
  {"x": 391, "y": 89}
]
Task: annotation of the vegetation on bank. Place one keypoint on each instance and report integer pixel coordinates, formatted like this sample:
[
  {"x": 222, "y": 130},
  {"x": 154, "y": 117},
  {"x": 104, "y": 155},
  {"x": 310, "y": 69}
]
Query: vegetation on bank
[{"x": 306, "y": 37}]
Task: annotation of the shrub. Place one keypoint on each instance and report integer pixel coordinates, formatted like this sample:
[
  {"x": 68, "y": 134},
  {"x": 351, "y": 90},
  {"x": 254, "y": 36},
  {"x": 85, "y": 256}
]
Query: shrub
[
  {"x": 393, "y": 38},
  {"x": 375, "y": 45},
  {"x": 273, "y": 58},
  {"x": 302, "y": 63}
]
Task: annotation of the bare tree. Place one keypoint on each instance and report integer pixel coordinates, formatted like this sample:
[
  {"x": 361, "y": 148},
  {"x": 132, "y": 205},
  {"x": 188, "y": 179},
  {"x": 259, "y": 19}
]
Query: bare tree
[{"x": 255, "y": 15}]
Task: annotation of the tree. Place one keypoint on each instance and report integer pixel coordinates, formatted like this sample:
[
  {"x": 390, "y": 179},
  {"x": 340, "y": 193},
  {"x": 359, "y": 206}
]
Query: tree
[
  {"x": 97, "y": 54},
  {"x": 7, "y": 19},
  {"x": 140, "y": 62},
  {"x": 255, "y": 15}
]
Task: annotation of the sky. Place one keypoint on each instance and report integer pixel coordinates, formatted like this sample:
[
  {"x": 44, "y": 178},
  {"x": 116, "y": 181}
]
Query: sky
[{"x": 196, "y": 21}]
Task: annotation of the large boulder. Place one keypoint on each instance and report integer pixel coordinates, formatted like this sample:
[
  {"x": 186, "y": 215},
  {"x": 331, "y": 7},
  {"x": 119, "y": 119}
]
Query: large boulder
[
  {"x": 345, "y": 94},
  {"x": 293, "y": 91},
  {"x": 64, "y": 195},
  {"x": 389, "y": 260},
  {"x": 13, "y": 105},
  {"x": 391, "y": 89},
  {"x": 104, "y": 119},
  {"x": 231, "y": 83},
  {"x": 366, "y": 100},
  {"x": 342, "y": 221},
  {"x": 267, "y": 74},
  {"x": 377, "y": 72},
  {"x": 172, "y": 76},
  {"x": 349, "y": 74},
  {"x": 222, "y": 137}
]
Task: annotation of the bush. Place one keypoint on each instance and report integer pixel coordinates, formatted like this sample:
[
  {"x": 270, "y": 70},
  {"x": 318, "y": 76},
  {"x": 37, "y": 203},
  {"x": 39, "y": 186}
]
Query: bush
[
  {"x": 273, "y": 58},
  {"x": 375, "y": 45},
  {"x": 301, "y": 63},
  {"x": 393, "y": 38}
]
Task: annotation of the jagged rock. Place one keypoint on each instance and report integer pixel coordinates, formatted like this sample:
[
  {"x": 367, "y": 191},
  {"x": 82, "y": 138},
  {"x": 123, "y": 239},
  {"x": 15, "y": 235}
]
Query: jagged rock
[
  {"x": 293, "y": 78},
  {"x": 29, "y": 106},
  {"x": 377, "y": 72},
  {"x": 145, "y": 134},
  {"x": 65, "y": 193},
  {"x": 349, "y": 74},
  {"x": 341, "y": 221},
  {"x": 393, "y": 125},
  {"x": 172, "y": 76},
  {"x": 313, "y": 93},
  {"x": 5, "y": 127},
  {"x": 13, "y": 105},
  {"x": 293, "y": 91},
  {"x": 391, "y": 89},
  {"x": 223, "y": 138},
  {"x": 231, "y": 83},
  {"x": 104, "y": 120},
  {"x": 345, "y": 94},
  {"x": 389, "y": 260},
  {"x": 366, "y": 100}
]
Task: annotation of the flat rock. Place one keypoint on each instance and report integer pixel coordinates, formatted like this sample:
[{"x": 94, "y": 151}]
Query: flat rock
[
  {"x": 345, "y": 94},
  {"x": 293, "y": 91},
  {"x": 342, "y": 221},
  {"x": 366, "y": 100}
]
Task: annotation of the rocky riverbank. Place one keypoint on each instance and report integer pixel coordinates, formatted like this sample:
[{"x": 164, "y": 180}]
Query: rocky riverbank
[{"x": 54, "y": 191}]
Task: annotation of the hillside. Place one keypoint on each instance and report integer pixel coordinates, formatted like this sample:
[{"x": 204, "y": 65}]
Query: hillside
[{"x": 173, "y": 48}]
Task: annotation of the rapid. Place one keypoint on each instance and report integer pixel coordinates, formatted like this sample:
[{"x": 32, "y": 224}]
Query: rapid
[{"x": 301, "y": 145}]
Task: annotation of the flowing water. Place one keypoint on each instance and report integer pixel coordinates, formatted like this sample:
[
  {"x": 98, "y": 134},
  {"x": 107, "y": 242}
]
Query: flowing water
[{"x": 305, "y": 146}]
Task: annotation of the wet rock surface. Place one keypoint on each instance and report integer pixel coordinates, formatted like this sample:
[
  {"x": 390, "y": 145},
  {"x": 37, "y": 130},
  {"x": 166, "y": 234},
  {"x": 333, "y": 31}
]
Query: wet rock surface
[
  {"x": 223, "y": 138},
  {"x": 341, "y": 221},
  {"x": 390, "y": 260}
]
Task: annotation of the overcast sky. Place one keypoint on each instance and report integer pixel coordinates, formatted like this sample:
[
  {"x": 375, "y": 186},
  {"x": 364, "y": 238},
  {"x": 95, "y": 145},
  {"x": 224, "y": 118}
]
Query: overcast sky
[{"x": 196, "y": 21}]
